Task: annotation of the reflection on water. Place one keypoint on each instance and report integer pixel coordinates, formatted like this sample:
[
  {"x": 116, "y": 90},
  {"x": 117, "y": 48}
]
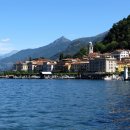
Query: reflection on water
[{"x": 64, "y": 105}]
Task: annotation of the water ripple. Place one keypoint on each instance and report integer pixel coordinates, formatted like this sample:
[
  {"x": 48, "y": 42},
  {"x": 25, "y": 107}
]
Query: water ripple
[{"x": 64, "y": 105}]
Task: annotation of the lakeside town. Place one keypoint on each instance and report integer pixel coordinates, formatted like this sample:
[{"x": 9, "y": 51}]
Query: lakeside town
[{"x": 93, "y": 65}]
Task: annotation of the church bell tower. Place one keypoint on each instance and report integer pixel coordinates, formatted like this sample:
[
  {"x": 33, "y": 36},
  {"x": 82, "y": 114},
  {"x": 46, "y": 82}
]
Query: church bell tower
[{"x": 90, "y": 47}]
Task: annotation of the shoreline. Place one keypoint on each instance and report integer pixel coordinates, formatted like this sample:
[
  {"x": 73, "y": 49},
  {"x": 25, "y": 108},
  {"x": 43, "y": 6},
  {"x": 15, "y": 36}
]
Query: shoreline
[
  {"x": 119, "y": 78},
  {"x": 87, "y": 76}
]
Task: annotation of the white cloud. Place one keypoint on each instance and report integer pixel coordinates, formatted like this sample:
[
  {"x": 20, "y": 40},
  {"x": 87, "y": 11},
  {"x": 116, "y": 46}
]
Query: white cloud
[
  {"x": 5, "y": 40},
  {"x": 5, "y": 46}
]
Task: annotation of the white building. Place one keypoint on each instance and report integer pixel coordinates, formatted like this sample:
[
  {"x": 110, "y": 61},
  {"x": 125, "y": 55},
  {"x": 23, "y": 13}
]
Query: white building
[
  {"x": 21, "y": 66},
  {"x": 49, "y": 66},
  {"x": 129, "y": 52},
  {"x": 103, "y": 65},
  {"x": 24, "y": 67},
  {"x": 119, "y": 54}
]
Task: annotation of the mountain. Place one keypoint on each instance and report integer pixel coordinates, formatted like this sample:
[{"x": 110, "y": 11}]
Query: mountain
[
  {"x": 8, "y": 54},
  {"x": 77, "y": 44},
  {"x": 118, "y": 37},
  {"x": 47, "y": 51},
  {"x": 52, "y": 50}
]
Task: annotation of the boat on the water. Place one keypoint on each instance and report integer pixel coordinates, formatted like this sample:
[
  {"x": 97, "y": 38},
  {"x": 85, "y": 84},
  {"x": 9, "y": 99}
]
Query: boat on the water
[
  {"x": 113, "y": 77},
  {"x": 108, "y": 78}
]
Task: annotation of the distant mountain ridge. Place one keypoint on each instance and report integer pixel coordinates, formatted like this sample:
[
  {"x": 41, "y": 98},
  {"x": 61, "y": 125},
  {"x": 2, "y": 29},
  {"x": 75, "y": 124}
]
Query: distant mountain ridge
[
  {"x": 117, "y": 37},
  {"x": 8, "y": 54},
  {"x": 47, "y": 51},
  {"x": 83, "y": 42},
  {"x": 79, "y": 43},
  {"x": 52, "y": 50}
]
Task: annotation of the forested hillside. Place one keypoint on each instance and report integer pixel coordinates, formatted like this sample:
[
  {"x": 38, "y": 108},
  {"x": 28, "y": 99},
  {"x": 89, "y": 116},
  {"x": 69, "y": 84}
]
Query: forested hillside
[{"x": 117, "y": 38}]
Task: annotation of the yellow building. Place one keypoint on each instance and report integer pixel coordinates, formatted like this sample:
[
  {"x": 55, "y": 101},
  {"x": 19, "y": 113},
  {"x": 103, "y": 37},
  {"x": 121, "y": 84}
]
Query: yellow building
[{"x": 120, "y": 66}]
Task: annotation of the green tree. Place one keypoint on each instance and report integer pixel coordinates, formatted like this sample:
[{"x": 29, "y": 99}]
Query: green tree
[
  {"x": 118, "y": 37},
  {"x": 68, "y": 56},
  {"x": 81, "y": 53},
  {"x": 123, "y": 45},
  {"x": 99, "y": 47}
]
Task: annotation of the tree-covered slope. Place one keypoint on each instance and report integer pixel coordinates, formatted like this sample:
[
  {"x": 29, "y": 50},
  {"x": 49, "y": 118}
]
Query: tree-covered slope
[{"x": 118, "y": 37}]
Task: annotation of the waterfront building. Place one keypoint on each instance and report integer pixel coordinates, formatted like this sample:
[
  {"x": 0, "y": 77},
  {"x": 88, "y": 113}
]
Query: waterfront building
[
  {"x": 31, "y": 66},
  {"x": 18, "y": 66},
  {"x": 103, "y": 65},
  {"x": 124, "y": 62},
  {"x": 21, "y": 66},
  {"x": 82, "y": 66},
  {"x": 25, "y": 66},
  {"x": 129, "y": 52},
  {"x": 119, "y": 54},
  {"x": 49, "y": 66},
  {"x": 37, "y": 65},
  {"x": 120, "y": 66},
  {"x": 64, "y": 65}
]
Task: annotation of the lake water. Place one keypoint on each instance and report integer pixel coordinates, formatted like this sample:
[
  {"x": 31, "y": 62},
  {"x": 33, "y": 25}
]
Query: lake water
[{"x": 64, "y": 105}]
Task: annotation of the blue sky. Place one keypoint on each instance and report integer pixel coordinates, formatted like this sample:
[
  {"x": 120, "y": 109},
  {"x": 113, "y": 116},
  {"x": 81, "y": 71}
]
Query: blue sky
[{"x": 34, "y": 23}]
